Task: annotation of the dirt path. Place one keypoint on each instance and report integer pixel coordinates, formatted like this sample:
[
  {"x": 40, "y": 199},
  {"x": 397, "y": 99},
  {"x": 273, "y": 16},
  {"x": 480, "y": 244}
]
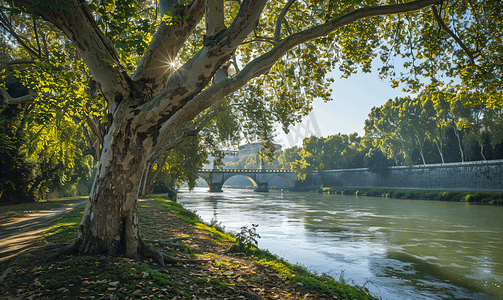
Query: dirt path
[{"x": 20, "y": 233}]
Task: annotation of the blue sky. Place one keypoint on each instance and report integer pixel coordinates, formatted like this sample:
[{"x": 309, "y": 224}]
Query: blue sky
[{"x": 353, "y": 98}]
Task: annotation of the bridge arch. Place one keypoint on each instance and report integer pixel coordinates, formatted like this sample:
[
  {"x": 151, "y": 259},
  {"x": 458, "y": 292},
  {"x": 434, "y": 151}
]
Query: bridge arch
[
  {"x": 286, "y": 178},
  {"x": 260, "y": 178},
  {"x": 255, "y": 185},
  {"x": 205, "y": 180}
]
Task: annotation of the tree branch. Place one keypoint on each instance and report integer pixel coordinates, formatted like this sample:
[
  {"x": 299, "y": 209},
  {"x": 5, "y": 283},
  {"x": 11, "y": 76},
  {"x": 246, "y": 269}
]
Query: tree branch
[
  {"x": 8, "y": 27},
  {"x": 94, "y": 127},
  {"x": 165, "y": 5},
  {"x": 235, "y": 64},
  {"x": 155, "y": 66},
  {"x": 16, "y": 62},
  {"x": 245, "y": 22},
  {"x": 222, "y": 73},
  {"x": 214, "y": 17},
  {"x": 36, "y": 36},
  {"x": 270, "y": 41},
  {"x": 19, "y": 100},
  {"x": 453, "y": 35},
  {"x": 279, "y": 21},
  {"x": 196, "y": 73},
  {"x": 187, "y": 131},
  {"x": 92, "y": 148}
]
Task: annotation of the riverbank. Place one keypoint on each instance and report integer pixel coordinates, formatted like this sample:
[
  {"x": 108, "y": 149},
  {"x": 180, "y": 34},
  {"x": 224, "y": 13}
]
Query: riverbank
[
  {"x": 397, "y": 248},
  {"x": 494, "y": 198},
  {"x": 212, "y": 264}
]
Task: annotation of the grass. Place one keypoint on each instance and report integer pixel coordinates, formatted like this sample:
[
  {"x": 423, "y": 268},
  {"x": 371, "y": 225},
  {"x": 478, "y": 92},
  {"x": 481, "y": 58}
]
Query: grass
[
  {"x": 65, "y": 228},
  {"x": 495, "y": 198}
]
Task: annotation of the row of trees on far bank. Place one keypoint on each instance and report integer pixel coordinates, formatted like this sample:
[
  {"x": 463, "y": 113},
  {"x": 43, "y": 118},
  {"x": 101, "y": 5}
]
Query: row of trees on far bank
[{"x": 435, "y": 127}]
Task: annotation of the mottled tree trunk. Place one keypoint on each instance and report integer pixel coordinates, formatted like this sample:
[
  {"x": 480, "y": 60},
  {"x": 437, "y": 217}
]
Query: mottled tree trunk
[{"x": 110, "y": 221}]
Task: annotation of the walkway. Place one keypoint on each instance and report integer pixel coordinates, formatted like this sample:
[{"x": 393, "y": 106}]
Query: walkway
[{"x": 22, "y": 232}]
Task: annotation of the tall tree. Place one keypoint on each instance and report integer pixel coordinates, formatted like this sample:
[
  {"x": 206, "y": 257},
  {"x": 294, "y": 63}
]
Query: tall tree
[
  {"x": 288, "y": 156},
  {"x": 440, "y": 120},
  {"x": 320, "y": 154},
  {"x": 206, "y": 50}
]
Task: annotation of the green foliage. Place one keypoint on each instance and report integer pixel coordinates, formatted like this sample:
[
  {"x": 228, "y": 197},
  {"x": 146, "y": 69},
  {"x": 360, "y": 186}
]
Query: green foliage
[
  {"x": 376, "y": 161},
  {"x": 178, "y": 166},
  {"x": 247, "y": 238},
  {"x": 318, "y": 154},
  {"x": 45, "y": 139}
]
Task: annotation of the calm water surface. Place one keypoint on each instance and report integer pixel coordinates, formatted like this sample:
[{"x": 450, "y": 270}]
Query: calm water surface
[{"x": 400, "y": 249}]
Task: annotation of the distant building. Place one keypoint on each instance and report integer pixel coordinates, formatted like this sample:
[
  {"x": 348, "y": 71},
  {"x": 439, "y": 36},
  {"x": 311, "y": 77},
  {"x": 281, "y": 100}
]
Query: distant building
[
  {"x": 254, "y": 148},
  {"x": 246, "y": 149},
  {"x": 230, "y": 155}
]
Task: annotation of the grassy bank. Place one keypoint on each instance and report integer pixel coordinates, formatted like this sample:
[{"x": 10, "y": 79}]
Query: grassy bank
[
  {"x": 495, "y": 198},
  {"x": 221, "y": 265}
]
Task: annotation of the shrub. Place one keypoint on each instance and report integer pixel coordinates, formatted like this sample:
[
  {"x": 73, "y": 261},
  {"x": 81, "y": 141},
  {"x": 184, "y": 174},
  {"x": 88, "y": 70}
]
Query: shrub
[
  {"x": 469, "y": 198},
  {"x": 450, "y": 196},
  {"x": 399, "y": 194},
  {"x": 409, "y": 195},
  {"x": 247, "y": 238}
]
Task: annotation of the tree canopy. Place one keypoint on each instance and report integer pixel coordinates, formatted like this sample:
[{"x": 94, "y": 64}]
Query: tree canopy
[{"x": 144, "y": 77}]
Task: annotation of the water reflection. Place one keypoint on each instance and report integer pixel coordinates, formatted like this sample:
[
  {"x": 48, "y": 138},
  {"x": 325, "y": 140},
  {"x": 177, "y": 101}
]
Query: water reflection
[{"x": 408, "y": 249}]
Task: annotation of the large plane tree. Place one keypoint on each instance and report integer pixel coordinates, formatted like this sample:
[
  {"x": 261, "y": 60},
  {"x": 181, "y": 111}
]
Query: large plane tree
[{"x": 270, "y": 58}]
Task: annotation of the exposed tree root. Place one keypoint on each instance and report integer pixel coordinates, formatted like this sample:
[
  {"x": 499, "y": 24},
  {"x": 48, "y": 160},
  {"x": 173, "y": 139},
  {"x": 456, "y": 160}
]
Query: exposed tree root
[
  {"x": 148, "y": 251},
  {"x": 56, "y": 246},
  {"x": 66, "y": 250},
  {"x": 144, "y": 250},
  {"x": 162, "y": 258}
]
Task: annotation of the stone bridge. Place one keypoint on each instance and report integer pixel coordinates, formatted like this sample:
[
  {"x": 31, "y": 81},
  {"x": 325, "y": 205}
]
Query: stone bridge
[{"x": 260, "y": 178}]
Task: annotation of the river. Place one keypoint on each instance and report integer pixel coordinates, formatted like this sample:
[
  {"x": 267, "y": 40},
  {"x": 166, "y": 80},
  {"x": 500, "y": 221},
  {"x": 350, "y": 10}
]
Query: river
[{"x": 398, "y": 249}]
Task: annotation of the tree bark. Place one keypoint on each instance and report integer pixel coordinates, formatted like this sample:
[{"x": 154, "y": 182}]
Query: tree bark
[
  {"x": 110, "y": 221},
  {"x": 456, "y": 132},
  {"x": 440, "y": 152},
  {"x": 421, "y": 151}
]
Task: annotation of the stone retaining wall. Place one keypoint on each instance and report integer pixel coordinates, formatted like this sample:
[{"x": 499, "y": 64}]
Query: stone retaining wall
[{"x": 468, "y": 176}]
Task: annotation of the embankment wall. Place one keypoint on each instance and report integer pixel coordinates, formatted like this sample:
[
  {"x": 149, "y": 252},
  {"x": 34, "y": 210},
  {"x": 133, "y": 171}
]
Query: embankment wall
[{"x": 468, "y": 176}]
